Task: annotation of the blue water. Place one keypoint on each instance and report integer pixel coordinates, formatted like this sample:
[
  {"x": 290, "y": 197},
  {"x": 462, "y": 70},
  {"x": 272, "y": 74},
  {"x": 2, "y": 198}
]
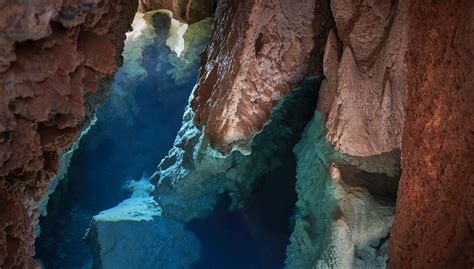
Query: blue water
[
  {"x": 256, "y": 236},
  {"x": 132, "y": 134}
]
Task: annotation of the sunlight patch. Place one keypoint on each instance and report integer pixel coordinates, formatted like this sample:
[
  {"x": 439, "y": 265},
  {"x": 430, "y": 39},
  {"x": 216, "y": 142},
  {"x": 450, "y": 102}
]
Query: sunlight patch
[{"x": 175, "y": 39}]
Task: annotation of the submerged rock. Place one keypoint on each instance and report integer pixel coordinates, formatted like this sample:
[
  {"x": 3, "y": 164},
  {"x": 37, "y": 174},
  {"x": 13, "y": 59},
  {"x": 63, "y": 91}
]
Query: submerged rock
[
  {"x": 193, "y": 175},
  {"x": 340, "y": 222},
  {"x": 134, "y": 235},
  {"x": 141, "y": 243}
]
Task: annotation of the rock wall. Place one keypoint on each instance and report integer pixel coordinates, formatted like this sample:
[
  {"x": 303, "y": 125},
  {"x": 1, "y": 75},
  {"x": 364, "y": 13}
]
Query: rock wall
[
  {"x": 258, "y": 50},
  {"x": 193, "y": 176},
  {"x": 363, "y": 95},
  {"x": 348, "y": 172},
  {"x": 56, "y": 61},
  {"x": 190, "y": 11},
  {"x": 434, "y": 223},
  {"x": 342, "y": 219}
]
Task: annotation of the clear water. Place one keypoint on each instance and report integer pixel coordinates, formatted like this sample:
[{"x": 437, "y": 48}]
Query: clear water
[
  {"x": 256, "y": 236},
  {"x": 132, "y": 134},
  {"x": 134, "y": 131}
]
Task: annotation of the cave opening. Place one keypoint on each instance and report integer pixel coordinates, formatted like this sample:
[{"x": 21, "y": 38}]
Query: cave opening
[
  {"x": 132, "y": 131},
  {"x": 137, "y": 126}
]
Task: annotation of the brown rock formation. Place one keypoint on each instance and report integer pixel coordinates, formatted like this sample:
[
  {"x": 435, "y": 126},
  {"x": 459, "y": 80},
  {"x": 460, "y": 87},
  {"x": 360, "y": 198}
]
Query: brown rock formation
[
  {"x": 434, "y": 222},
  {"x": 54, "y": 55},
  {"x": 362, "y": 102},
  {"x": 258, "y": 50},
  {"x": 363, "y": 96},
  {"x": 190, "y": 11}
]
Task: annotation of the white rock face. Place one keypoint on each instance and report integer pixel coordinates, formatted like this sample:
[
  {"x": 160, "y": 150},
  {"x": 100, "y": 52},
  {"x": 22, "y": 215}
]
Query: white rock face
[
  {"x": 134, "y": 235},
  {"x": 144, "y": 244},
  {"x": 175, "y": 39},
  {"x": 339, "y": 222}
]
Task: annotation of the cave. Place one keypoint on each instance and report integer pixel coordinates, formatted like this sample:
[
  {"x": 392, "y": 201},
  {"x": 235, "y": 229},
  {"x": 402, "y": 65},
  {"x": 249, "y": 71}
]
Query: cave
[
  {"x": 137, "y": 125},
  {"x": 133, "y": 129},
  {"x": 236, "y": 134}
]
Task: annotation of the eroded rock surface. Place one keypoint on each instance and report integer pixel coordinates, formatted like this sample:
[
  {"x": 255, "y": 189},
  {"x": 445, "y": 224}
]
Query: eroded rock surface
[
  {"x": 363, "y": 96},
  {"x": 194, "y": 175},
  {"x": 258, "y": 50},
  {"x": 190, "y": 11},
  {"x": 343, "y": 215},
  {"x": 346, "y": 194},
  {"x": 434, "y": 224},
  {"x": 56, "y": 59}
]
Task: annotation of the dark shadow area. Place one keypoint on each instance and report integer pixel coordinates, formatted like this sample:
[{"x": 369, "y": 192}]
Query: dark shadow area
[{"x": 255, "y": 236}]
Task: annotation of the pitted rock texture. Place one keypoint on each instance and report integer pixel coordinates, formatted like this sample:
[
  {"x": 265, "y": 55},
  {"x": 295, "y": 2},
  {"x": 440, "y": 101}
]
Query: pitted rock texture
[
  {"x": 193, "y": 176},
  {"x": 343, "y": 214},
  {"x": 55, "y": 57},
  {"x": 258, "y": 49},
  {"x": 363, "y": 95},
  {"x": 433, "y": 227},
  {"x": 190, "y": 11}
]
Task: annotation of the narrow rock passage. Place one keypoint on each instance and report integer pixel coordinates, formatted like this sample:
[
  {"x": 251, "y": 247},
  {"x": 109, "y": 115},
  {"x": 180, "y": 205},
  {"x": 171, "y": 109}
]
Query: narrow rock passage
[{"x": 134, "y": 130}]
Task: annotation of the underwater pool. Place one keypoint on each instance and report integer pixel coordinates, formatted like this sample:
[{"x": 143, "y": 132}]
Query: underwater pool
[{"x": 134, "y": 130}]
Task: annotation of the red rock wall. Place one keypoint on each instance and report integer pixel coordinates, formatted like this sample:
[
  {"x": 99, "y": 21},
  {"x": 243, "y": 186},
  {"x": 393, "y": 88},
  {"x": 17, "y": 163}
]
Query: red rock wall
[
  {"x": 257, "y": 51},
  {"x": 190, "y": 11},
  {"x": 54, "y": 57},
  {"x": 434, "y": 222}
]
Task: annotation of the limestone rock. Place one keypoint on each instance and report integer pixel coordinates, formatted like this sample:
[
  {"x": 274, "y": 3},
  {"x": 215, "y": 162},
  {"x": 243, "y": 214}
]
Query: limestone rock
[
  {"x": 190, "y": 11},
  {"x": 434, "y": 224},
  {"x": 342, "y": 217},
  {"x": 257, "y": 51},
  {"x": 147, "y": 244},
  {"x": 134, "y": 235},
  {"x": 364, "y": 100},
  {"x": 54, "y": 55}
]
